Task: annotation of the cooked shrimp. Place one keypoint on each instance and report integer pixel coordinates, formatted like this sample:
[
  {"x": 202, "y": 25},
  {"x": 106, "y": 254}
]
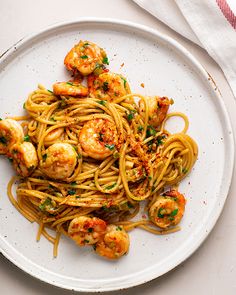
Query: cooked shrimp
[
  {"x": 53, "y": 136},
  {"x": 98, "y": 138},
  {"x": 59, "y": 161},
  {"x": 24, "y": 158},
  {"x": 158, "y": 108},
  {"x": 11, "y": 132},
  {"x": 107, "y": 86},
  {"x": 70, "y": 88},
  {"x": 86, "y": 230},
  {"x": 84, "y": 57},
  {"x": 168, "y": 209},
  {"x": 114, "y": 244}
]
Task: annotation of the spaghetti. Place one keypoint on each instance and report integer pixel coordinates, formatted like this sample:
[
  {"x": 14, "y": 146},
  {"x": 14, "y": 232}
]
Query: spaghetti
[{"x": 101, "y": 158}]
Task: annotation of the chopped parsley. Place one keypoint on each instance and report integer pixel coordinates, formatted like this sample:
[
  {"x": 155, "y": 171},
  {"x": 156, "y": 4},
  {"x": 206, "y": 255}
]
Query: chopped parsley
[
  {"x": 184, "y": 170},
  {"x": 84, "y": 56},
  {"x": 78, "y": 197},
  {"x": 71, "y": 192},
  {"x": 159, "y": 140},
  {"x": 111, "y": 186},
  {"x": 118, "y": 228},
  {"x": 151, "y": 131},
  {"x": 3, "y": 140},
  {"x": 50, "y": 91},
  {"x": 105, "y": 60},
  {"x": 102, "y": 102},
  {"x": 125, "y": 81},
  {"x": 86, "y": 44},
  {"x": 101, "y": 136},
  {"x": 159, "y": 214},
  {"x": 110, "y": 146},
  {"x": 0, "y": 119},
  {"x": 52, "y": 119},
  {"x": 79, "y": 156},
  {"x": 26, "y": 138},
  {"x": 73, "y": 183},
  {"x": 45, "y": 157},
  {"x": 69, "y": 83},
  {"x": 140, "y": 128},
  {"x": 105, "y": 86},
  {"x": 10, "y": 160},
  {"x": 130, "y": 116},
  {"x": 24, "y": 106},
  {"x": 86, "y": 241},
  {"x": 90, "y": 229},
  {"x": 47, "y": 202},
  {"x": 149, "y": 178},
  {"x": 174, "y": 212},
  {"x": 171, "y": 218}
]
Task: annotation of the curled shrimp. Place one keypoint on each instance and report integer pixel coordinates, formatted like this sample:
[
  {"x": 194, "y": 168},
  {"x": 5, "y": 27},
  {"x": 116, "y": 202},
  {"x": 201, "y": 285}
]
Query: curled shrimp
[
  {"x": 98, "y": 138},
  {"x": 70, "y": 89},
  {"x": 11, "y": 132},
  {"x": 158, "y": 108},
  {"x": 114, "y": 244},
  {"x": 84, "y": 57},
  {"x": 107, "y": 86},
  {"x": 24, "y": 158},
  {"x": 168, "y": 209},
  {"x": 59, "y": 161},
  {"x": 86, "y": 230}
]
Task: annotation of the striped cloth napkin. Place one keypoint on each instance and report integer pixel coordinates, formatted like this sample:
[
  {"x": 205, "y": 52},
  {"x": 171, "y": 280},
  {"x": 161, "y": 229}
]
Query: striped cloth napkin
[{"x": 208, "y": 23}]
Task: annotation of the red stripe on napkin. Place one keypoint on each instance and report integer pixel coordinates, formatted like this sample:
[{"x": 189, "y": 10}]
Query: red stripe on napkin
[{"x": 227, "y": 12}]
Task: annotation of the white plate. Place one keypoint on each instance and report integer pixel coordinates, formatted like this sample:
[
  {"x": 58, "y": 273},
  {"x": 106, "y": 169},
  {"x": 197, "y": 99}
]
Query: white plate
[{"x": 166, "y": 68}]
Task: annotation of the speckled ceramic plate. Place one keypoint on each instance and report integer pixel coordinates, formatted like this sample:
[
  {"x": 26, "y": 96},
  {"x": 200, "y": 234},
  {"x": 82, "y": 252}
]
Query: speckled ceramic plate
[{"x": 165, "y": 68}]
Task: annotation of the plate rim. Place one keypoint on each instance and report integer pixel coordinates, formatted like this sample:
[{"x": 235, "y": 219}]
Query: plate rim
[{"x": 5, "y": 248}]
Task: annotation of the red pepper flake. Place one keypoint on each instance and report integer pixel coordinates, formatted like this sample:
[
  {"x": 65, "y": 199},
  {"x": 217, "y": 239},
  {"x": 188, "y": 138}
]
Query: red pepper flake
[
  {"x": 144, "y": 216},
  {"x": 122, "y": 65},
  {"x": 142, "y": 85}
]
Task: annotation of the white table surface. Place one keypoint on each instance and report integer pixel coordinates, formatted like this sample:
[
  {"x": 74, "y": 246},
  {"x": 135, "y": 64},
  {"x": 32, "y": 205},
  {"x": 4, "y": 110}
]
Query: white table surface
[{"x": 212, "y": 268}]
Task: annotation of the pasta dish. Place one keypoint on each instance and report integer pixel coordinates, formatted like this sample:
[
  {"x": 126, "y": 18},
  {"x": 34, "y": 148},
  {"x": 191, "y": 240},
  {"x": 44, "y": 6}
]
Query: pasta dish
[{"x": 90, "y": 155}]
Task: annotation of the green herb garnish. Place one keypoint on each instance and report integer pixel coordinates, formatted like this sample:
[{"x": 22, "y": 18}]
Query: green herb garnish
[
  {"x": 79, "y": 156},
  {"x": 71, "y": 192},
  {"x": 184, "y": 170},
  {"x": 102, "y": 102},
  {"x": 90, "y": 229},
  {"x": 125, "y": 81},
  {"x": 10, "y": 160},
  {"x": 77, "y": 197},
  {"x": 110, "y": 146},
  {"x": 140, "y": 128},
  {"x": 84, "y": 56},
  {"x": 130, "y": 116},
  {"x": 73, "y": 183},
  {"x": 26, "y": 138},
  {"x": 0, "y": 119},
  {"x": 174, "y": 212},
  {"x": 86, "y": 241},
  {"x": 130, "y": 205},
  {"x": 105, "y": 86},
  {"x": 118, "y": 228},
  {"x": 69, "y": 83},
  {"x": 151, "y": 131},
  {"x": 159, "y": 214},
  {"x": 111, "y": 186},
  {"x": 50, "y": 91},
  {"x": 47, "y": 202},
  {"x": 105, "y": 60},
  {"x": 45, "y": 157},
  {"x": 3, "y": 140},
  {"x": 24, "y": 106}
]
